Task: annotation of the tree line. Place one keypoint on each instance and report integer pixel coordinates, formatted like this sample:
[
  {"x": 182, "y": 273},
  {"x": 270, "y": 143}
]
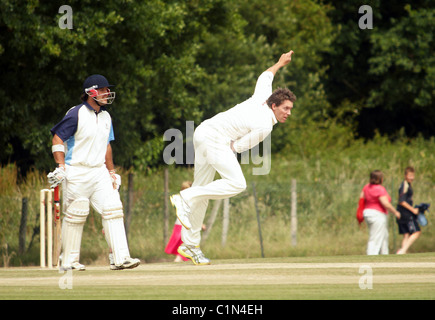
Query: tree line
[{"x": 174, "y": 61}]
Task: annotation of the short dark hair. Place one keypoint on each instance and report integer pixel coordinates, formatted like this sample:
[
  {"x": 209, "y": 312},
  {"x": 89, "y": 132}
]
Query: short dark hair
[
  {"x": 409, "y": 169},
  {"x": 84, "y": 97},
  {"x": 376, "y": 177},
  {"x": 279, "y": 96}
]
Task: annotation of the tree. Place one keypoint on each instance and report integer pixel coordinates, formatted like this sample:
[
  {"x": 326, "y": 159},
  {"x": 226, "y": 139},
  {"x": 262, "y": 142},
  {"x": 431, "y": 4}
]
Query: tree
[
  {"x": 171, "y": 61},
  {"x": 403, "y": 62},
  {"x": 147, "y": 48},
  {"x": 43, "y": 68},
  {"x": 375, "y": 74}
]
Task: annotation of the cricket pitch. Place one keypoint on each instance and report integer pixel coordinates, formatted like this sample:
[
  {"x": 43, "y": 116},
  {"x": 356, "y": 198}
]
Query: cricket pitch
[{"x": 339, "y": 278}]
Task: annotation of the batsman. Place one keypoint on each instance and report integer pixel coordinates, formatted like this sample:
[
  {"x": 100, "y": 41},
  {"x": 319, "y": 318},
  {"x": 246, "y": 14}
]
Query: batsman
[{"x": 83, "y": 154}]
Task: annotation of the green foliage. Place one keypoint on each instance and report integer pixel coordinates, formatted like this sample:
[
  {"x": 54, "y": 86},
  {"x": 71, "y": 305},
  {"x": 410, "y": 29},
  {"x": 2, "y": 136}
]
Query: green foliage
[
  {"x": 171, "y": 61},
  {"x": 385, "y": 74},
  {"x": 178, "y": 61},
  {"x": 403, "y": 60}
]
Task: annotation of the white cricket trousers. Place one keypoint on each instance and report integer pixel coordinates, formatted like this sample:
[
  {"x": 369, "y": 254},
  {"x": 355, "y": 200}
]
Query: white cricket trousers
[
  {"x": 94, "y": 184},
  {"x": 378, "y": 231},
  {"x": 212, "y": 154}
]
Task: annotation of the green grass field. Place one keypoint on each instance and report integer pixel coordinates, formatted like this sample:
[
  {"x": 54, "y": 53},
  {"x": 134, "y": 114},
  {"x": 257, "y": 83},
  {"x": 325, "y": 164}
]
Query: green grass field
[{"x": 389, "y": 277}]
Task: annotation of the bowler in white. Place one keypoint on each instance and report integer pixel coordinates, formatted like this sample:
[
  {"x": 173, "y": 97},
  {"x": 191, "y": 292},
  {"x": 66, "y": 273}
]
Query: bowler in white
[{"x": 216, "y": 141}]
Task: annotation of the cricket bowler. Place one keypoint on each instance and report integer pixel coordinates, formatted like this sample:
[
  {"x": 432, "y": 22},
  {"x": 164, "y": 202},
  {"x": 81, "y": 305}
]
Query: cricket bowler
[{"x": 216, "y": 141}]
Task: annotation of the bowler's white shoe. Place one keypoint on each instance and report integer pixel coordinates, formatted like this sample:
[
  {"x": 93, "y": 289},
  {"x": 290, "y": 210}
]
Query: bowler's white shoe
[
  {"x": 129, "y": 263},
  {"x": 182, "y": 210},
  {"x": 193, "y": 253}
]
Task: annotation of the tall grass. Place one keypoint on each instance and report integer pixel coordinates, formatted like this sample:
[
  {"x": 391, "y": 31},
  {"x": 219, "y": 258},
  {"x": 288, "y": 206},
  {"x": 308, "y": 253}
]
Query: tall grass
[{"x": 330, "y": 176}]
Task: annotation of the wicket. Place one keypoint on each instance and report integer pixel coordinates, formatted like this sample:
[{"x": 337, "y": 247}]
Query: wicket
[{"x": 46, "y": 206}]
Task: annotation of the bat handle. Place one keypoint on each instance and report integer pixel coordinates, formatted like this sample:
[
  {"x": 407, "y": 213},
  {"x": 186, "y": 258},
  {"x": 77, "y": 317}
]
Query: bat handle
[
  {"x": 56, "y": 204},
  {"x": 56, "y": 194}
]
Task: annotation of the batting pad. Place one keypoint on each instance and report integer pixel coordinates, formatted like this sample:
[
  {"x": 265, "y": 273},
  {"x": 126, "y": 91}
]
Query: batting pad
[
  {"x": 116, "y": 238},
  {"x": 114, "y": 231},
  {"x": 72, "y": 230}
]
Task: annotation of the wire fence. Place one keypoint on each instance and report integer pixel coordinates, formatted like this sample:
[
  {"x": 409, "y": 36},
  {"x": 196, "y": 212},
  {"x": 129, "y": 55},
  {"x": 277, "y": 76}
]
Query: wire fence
[{"x": 306, "y": 209}]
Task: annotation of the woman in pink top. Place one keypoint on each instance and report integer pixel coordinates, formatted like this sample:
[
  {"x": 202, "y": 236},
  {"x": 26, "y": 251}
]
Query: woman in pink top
[{"x": 377, "y": 203}]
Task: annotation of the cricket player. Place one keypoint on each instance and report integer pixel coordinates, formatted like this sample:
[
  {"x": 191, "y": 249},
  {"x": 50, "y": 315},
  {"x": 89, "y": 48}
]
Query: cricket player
[
  {"x": 82, "y": 151},
  {"x": 216, "y": 141}
]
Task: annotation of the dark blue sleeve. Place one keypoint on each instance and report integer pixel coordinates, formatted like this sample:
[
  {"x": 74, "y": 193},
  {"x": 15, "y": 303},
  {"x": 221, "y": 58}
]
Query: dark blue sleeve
[{"x": 68, "y": 125}]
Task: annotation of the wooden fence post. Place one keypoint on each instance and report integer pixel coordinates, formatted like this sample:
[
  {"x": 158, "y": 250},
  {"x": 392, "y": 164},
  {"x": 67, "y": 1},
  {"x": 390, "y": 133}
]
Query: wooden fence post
[
  {"x": 294, "y": 218},
  {"x": 226, "y": 221},
  {"x": 166, "y": 208},
  {"x": 393, "y": 219},
  {"x": 211, "y": 220},
  {"x": 23, "y": 226},
  {"x": 258, "y": 220},
  {"x": 129, "y": 207}
]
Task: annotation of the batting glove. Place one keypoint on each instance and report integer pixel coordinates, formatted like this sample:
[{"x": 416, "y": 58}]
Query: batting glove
[
  {"x": 116, "y": 179},
  {"x": 57, "y": 176}
]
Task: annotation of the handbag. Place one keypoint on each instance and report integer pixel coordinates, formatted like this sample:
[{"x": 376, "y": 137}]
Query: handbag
[
  {"x": 359, "y": 211},
  {"x": 421, "y": 218}
]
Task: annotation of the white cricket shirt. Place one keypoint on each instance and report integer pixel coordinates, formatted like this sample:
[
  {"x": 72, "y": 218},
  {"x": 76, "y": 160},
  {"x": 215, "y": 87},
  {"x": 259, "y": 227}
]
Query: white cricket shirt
[
  {"x": 85, "y": 134},
  {"x": 250, "y": 122}
]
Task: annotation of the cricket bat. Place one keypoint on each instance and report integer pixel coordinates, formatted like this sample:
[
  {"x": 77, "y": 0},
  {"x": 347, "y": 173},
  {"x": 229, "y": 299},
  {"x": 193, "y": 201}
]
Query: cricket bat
[{"x": 57, "y": 227}]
